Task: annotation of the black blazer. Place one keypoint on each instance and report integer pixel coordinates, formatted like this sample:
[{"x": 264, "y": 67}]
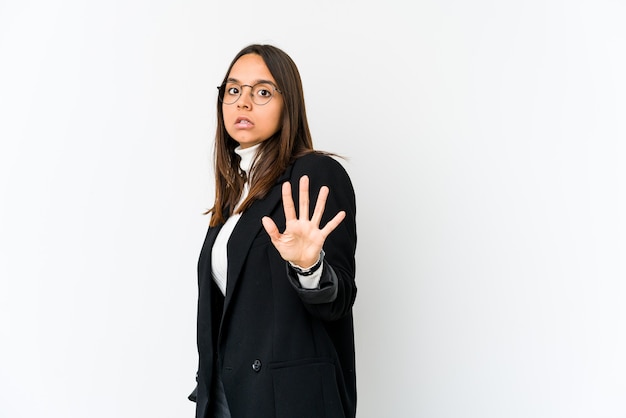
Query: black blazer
[{"x": 283, "y": 351}]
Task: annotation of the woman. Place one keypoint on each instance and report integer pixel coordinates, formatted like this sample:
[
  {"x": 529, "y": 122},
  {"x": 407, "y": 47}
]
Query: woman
[{"x": 275, "y": 334}]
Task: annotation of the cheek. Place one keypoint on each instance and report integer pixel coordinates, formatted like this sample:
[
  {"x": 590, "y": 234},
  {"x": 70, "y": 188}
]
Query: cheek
[
  {"x": 275, "y": 123},
  {"x": 227, "y": 119},
  {"x": 226, "y": 111},
  {"x": 277, "y": 118}
]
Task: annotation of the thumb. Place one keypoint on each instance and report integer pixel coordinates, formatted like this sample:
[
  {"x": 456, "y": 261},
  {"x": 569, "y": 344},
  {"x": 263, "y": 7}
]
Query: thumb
[{"x": 270, "y": 227}]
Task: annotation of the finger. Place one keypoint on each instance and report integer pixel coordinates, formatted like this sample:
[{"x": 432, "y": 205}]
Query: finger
[
  {"x": 270, "y": 228},
  {"x": 304, "y": 197},
  {"x": 333, "y": 223},
  {"x": 288, "y": 206},
  {"x": 319, "y": 206}
]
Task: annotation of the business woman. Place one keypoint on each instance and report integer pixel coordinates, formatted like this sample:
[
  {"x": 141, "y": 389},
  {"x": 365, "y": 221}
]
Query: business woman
[{"x": 276, "y": 274}]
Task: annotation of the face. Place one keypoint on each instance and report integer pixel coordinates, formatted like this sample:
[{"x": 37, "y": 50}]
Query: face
[{"x": 247, "y": 122}]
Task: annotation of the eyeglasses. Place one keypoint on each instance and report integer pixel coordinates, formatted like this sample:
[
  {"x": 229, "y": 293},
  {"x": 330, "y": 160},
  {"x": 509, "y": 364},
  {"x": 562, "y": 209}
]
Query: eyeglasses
[{"x": 261, "y": 93}]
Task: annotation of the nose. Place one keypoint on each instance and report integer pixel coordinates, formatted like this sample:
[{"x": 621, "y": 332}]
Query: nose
[{"x": 245, "y": 100}]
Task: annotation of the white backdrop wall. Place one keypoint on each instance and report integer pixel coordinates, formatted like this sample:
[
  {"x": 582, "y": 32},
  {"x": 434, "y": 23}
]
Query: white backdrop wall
[{"x": 486, "y": 143}]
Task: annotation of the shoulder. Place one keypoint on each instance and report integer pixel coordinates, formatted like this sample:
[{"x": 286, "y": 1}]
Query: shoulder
[
  {"x": 323, "y": 170},
  {"x": 319, "y": 164}
]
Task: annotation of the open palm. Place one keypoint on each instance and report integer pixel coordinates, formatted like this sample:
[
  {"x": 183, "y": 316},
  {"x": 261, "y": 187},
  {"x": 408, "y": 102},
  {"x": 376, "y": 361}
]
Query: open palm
[{"x": 302, "y": 240}]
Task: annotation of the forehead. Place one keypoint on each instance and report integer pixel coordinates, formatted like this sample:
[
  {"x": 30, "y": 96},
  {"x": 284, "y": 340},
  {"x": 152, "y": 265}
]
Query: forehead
[{"x": 249, "y": 69}]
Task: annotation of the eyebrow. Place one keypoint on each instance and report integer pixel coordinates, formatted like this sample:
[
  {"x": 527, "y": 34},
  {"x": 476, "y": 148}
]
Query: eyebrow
[{"x": 234, "y": 80}]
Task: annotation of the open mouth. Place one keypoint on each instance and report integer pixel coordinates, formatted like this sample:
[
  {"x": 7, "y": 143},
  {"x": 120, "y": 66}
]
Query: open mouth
[{"x": 243, "y": 122}]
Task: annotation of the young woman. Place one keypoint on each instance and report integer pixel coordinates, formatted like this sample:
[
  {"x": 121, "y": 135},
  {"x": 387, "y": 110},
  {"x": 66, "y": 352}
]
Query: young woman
[{"x": 276, "y": 271}]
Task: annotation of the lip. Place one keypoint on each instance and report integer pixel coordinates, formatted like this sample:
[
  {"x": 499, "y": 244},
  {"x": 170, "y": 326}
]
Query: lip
[{"x": 243, "y": 122}]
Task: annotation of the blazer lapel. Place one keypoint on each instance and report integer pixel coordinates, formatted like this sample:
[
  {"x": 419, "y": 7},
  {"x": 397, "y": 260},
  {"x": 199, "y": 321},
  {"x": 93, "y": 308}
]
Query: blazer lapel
[
  {"x": 204, "y": 263},
  {"x": 243, "y": 235},
  {"x": 246, "y": 230}
]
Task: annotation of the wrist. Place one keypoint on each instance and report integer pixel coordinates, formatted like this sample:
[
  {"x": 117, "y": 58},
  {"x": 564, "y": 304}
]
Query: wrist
[{"x": 309, "y": 270}]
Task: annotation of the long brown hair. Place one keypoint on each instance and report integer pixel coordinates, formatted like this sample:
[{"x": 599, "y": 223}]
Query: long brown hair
[{"x": 275, "y": 154}]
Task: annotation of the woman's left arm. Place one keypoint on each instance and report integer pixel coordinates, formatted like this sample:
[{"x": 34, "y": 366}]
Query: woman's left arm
[{"x": 330, "y": 226}]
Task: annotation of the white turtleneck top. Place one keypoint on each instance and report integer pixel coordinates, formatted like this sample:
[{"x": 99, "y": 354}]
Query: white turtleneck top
[{"x": 219, "y": 254}]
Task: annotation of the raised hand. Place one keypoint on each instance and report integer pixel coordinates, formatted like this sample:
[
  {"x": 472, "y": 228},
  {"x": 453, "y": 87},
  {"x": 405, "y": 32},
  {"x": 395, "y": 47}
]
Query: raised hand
[{"x": 302, "y": 240}]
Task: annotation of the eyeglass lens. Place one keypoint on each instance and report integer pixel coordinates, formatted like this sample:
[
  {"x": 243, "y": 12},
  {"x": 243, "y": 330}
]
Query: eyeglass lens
[{"x": 260, "y": 93}]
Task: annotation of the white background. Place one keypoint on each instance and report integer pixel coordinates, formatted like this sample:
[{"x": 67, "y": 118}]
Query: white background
[{"x": 486, "y": 144}]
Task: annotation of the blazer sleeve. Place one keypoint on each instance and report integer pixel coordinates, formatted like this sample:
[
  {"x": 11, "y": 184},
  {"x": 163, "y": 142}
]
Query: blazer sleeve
[{"x": 337, "y": 289}]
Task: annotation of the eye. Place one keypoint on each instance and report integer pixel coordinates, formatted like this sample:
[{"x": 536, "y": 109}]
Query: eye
[
  {"x": 263, "y": 90},
  {"x": 232, "y": 90}
]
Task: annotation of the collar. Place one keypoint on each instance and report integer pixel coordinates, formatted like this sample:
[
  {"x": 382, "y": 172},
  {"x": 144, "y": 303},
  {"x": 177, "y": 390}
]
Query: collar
[{"x": 247, "y": 156}]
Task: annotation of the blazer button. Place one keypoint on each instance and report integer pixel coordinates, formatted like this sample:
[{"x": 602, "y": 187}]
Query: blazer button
[{"x": 256, "y": 366}]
